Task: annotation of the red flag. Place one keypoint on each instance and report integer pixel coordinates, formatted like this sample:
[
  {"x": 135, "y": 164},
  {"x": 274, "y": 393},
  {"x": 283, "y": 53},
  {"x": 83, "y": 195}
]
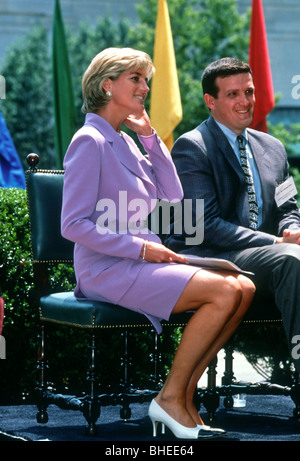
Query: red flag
[{"x": 260, "y": 64}]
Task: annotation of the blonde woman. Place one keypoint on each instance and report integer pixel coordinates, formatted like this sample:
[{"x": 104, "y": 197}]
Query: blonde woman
[{"x": 115, "y": 261}]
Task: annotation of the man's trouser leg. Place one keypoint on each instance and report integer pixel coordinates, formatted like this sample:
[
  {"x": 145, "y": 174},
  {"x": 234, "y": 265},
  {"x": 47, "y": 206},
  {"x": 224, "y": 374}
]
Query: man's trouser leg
[{"x": 277, "y": 272}]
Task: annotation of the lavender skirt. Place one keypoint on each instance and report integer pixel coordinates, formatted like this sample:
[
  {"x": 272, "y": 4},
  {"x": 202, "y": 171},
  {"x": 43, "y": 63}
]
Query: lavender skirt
[{"x": 157, "y": 289}]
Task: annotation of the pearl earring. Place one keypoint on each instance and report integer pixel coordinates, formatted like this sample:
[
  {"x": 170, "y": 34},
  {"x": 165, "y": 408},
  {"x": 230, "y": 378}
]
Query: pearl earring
[{"x": 109, "y": 94}]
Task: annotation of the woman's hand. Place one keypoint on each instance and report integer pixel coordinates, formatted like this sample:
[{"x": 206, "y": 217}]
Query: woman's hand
[
  {"x": 158, "y": 253},
  {"x": 139, "y": 123}
]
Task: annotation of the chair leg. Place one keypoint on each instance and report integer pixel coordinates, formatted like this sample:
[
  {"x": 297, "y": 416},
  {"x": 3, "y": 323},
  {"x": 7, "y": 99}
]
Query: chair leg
[
  {"x": 91, "y": 408},
  {"x": 295, "y": 395},
  {"x": 126, "y": 364},
  {"x": 156, "y": 359},
  {"x": 228, "y": 376},
  {"x": 211, "y": 397},
  {"x": 42, "y": 415}
]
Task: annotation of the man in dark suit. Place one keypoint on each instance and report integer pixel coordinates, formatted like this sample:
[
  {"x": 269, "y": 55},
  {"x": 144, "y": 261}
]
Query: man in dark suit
[{"x": 250, "y": 214}]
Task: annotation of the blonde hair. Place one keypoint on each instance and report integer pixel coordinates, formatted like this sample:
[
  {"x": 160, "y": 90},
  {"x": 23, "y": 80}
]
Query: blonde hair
[{"x": 110, "y": 63}]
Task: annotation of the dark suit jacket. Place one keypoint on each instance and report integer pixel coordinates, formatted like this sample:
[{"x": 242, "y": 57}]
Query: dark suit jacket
[{"x": 209, "y": 170}]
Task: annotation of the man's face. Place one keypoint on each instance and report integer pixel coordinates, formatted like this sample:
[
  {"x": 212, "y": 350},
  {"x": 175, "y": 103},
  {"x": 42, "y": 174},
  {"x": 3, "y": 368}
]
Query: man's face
[{"x": 234, "y": 105}]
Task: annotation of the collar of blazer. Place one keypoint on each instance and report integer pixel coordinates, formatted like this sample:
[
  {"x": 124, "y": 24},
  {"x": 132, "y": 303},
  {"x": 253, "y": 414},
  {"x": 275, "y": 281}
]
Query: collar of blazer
[
  {"x": 123, "y": 146},
  {"x": 262, "y": 158},
  {"x": 224, "y": 147},
  {"x": 263, "y": 161},
  {"x": 254, "y": 139}
]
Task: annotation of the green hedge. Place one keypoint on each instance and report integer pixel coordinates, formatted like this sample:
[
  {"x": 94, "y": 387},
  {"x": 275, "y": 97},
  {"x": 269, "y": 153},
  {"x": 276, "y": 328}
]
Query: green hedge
[
  {"x": 16, "y": 288},
  {"x": 68, "y": 358}
]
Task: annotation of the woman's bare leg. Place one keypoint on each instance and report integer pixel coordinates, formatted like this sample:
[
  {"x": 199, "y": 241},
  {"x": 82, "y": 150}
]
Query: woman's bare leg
[
  {"x": 221, "y": 340},
  {"x": 216, "y": 299}
]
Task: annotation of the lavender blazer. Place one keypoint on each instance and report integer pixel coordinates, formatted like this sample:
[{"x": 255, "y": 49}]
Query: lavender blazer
[{"x": 110, "y": 187}]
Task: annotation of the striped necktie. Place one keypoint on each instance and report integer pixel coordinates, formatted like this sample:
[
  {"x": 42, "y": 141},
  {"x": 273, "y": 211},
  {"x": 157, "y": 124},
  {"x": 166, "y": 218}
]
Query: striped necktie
[{"x": 253, "y": 208}]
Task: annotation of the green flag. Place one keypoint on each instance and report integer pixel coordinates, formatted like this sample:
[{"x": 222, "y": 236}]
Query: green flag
[{"x": 63, "y": 98}]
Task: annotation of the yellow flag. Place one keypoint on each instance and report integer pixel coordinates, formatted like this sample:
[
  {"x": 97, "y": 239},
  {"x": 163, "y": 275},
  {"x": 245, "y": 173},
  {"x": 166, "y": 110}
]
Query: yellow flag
[{"x": 165, "y": 102}]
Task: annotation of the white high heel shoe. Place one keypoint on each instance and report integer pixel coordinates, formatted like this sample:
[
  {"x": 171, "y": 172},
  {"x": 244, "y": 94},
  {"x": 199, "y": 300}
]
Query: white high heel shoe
[
  {"x": 217, "y": 432},
  {"x": 158, "y": 415}
]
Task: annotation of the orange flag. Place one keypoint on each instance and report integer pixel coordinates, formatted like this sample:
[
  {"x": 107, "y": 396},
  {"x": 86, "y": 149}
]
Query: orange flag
[{"x": 260, "y": 64}]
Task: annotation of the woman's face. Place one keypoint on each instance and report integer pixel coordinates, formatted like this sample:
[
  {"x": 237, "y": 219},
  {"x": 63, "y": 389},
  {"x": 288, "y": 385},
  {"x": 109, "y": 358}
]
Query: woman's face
[{"x": 129, "y": 91}]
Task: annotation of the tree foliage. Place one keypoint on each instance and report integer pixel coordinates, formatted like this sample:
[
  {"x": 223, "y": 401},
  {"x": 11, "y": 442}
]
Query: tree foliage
[
  {"x": 202, "y": 30},
  {"x": 27, "y": 108}
]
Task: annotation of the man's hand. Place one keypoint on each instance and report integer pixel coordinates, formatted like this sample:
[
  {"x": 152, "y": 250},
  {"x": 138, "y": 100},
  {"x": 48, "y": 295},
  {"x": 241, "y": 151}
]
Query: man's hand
[{"x": 289, "y": 236}]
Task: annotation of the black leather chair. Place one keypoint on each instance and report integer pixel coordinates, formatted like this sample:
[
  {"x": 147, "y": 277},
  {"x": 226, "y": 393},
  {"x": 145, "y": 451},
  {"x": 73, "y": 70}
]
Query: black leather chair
[{"x": 44, "y": 196}]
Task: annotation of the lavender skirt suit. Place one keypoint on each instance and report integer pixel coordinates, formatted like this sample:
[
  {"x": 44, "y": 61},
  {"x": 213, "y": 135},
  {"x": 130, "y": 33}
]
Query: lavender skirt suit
[{"x": 110, "y": 187}]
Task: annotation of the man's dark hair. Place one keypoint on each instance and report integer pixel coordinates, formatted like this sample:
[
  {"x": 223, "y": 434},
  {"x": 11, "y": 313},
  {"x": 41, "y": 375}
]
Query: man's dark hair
[{"x": 223, "y": 67}]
